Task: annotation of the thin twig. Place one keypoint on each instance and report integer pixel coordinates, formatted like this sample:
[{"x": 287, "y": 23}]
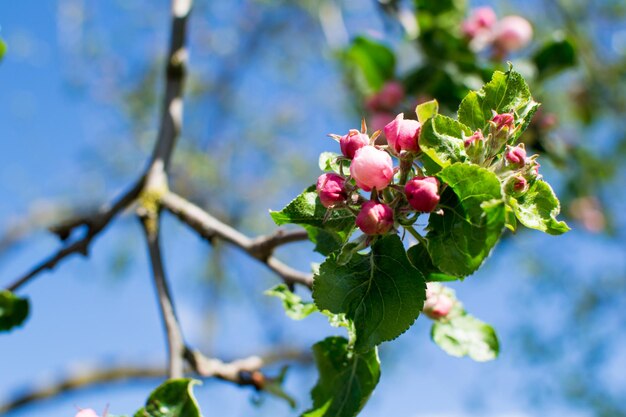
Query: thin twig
[
  {"x": 97, "y": 224},
  {"x": 175, "y": 343},
  {"x": 209, "y": 227}
]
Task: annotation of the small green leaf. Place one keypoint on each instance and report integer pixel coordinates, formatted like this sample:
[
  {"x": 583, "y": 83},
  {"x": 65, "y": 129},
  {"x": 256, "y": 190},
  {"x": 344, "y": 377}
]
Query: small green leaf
[
  {"x": 173, "y": 398},
  {"x": 381, "y": 292},
  {"x": 3, "y": 49},
  {"x": 537, "y": 209},
  {"x": 13, "y": 310},
  {"x": 555, "y": 56},
  {"x": 328, "y": 162},
  {"x": 473, "y": 220},
  {"x": 466, "y": 336},
  {"x": 292, "y": 303},
  {"x": 441, "y": 140},
  {"x": 372, "y": 63},
  {"x": 426, "y": 110},
  {"x": 306, "y": 209},
  {"x": 346, "y": 379},
  {"x": 506, "y": 92},
  {"x": 326, "y": 242}
]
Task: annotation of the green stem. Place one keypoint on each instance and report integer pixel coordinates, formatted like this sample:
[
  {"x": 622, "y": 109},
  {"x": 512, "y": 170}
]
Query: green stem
[{"x": 416, "y": 235}]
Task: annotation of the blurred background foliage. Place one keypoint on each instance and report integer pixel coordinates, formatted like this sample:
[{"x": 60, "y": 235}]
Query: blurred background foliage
[{"x": 269, "y": 79}]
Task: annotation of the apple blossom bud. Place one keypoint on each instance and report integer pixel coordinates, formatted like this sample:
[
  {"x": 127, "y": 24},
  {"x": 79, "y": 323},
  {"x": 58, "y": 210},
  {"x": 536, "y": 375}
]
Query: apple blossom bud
[
  {"x": 519, "y": 184},
  {"x": 331, "y": 189},
  {"x": 389, "y": 96},
  {"x": 438, "y": 303},
  {"x": 88, "y": 412},
  {"x": 512, "y": 33},
  {"x": 422, "y": 193},
  {"x": 481, "y": 20},
  {"x": 516, "y": 156},
  {"x": 476, "y": 136},
  {"x": 353, "y": 141},
  {"x": 503, "y": 120},
  {"x": 375, "y": 218},
  {"x": 371, "y": 168},
  {"x": 403, "y": 135}
]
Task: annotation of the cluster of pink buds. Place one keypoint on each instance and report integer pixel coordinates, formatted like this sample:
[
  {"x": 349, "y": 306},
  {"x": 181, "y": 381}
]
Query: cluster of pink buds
[
  {"x": 440, "y": 301},
  {"x": 395, "y": 192},
  {"x": 509, "y": 34}
]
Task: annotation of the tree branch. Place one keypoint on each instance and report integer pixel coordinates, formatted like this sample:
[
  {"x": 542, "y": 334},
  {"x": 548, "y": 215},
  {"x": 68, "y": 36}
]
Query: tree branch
[
  {"x": 175, "y": 343},
  {"x": 96, "y": 224},
  {"x": 209, "y": 227}
]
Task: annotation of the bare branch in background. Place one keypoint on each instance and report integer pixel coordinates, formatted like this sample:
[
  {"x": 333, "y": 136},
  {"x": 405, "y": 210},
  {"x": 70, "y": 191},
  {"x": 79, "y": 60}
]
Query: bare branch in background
[{"x": 210, "y": 228}]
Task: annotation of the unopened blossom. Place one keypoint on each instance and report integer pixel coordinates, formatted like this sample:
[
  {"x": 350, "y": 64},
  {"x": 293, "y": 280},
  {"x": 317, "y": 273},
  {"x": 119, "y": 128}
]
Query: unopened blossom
[
  {"x": 403, "y": 135},
  {"x": 375, "y": 218},
  {"x": 389, "y": 97},
  {"x": 438, "y": 302},
  {"x": 518, "y": 184},
  {"x": 480, "y": 21},
  {"x": 512, "y": 33},
  {"x": 503, "y": 120},
  {"x": 331, "y": 189},
  {"x": 88, "y": 412},
  {"x": 516, "y": 155},
  {"x": 352, "y": 142},
  {"x": 423, "y": 193},
  {"x": 476, "y": 136},
  {"x": 371, "y": 168}
]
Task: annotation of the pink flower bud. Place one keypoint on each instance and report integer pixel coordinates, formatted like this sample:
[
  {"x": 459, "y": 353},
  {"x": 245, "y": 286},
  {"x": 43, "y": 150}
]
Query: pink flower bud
[
  {"x": 375, "y": 218},
  {"x": 353, "y": 141},
  {"x": 331, "y": 189},
  {"x": 389, "y": 96},
  {"x": 88, "y": 412},
  {"x": 481, "y": 19},
  {"x": 403, "y": 135},
  {"x": 516, "y": 155},
  {"x": 438, "y": 304},
  {"x": 477, "y": 136},
  {"x": 422, "y": 193},
  {"x": 371, "y": 168},
  {"x": 512, "y": 33},
  {"x": 504, "y": 120},
  {"x": 519, "y": 184}
]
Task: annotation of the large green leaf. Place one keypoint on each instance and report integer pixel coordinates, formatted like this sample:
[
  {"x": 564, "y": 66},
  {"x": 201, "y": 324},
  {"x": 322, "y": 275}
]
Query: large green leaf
[
  {"x": 173, "y": 398},
  {"x": 420, "y": 258},
  {"x": 506, "y": 92},
  {"x": 537, "y": 209},
  {"x": 372, "y": 63},
  {"x": 441, "y": 139},
  {"x": 465, "y": 335},
  {"x": 13, "y": 310},
  {"x": 292, "y": 303},
  {"x": 473, "y": 219},
  {"x": 381, "y": 292},
  {"x": 346, "y": 379}
]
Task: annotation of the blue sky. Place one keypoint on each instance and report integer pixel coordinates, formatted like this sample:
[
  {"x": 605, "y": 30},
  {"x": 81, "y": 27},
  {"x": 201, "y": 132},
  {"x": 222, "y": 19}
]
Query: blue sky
[{"x": 86, "y": 313}]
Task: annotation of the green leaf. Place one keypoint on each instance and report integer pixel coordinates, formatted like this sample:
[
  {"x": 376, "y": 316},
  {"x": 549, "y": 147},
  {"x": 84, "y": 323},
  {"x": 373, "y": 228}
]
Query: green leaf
[
  {"x": 3, "y": 49},
  {"x": 13, "y": 310},
  {"x": 537, "y": 209},
  {"x": 306, "y": 209},
  {"x": 328, "y": 162},
  {"x": 555, "y": 56},
  {"x": 292, "y": 303},
  {"x": 372, "y": 63},
  {"x": 426, "y": 110},
  {"x": 441, "y": 140},
  {"x": 381, "y": 292},
  {"x": 346, "y": 379},
  {"x": 325, "y": 241},
  {"x": 466, "y": 336},
  {"x": 473, "y": 220},
  {"x": 420, "y": 258},
  {"x": 173, "y": 398},
  {"x": 506, "y": 92}
]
